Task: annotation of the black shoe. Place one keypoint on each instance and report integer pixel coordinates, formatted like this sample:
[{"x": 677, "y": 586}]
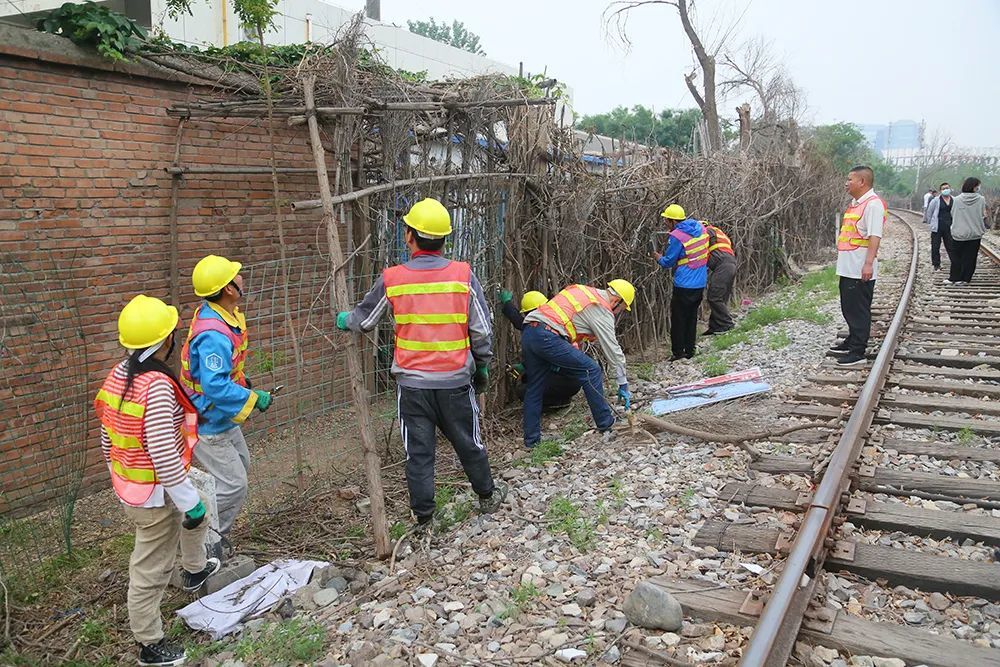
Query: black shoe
[
  {"x": 689, "y": 355},
  {"x": 676, "y": 357},
  {"x": 851, "y": 359},
  {"x": 709, "y": 332},
  {"x": 194, "y": 581},
  {"x": 839, "y": 348},
  {"x": 492, "y": 503},
  {"x": 161, "y": 653}
]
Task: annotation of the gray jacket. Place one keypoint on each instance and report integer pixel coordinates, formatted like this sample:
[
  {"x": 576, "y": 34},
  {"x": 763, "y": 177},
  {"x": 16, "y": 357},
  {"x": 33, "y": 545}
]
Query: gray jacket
[
  {"x": 931, "y": 214},
  {"x": 373, "y": 307},
  {"x": 968, "y": 217}
]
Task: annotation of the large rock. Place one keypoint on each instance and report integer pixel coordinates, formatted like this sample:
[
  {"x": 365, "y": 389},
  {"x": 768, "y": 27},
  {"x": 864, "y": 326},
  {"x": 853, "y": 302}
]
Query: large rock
[{"x": 649, "y": 606}]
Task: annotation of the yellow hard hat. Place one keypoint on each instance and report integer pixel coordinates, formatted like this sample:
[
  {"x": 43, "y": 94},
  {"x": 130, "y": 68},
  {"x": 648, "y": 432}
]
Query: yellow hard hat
[
  {"x": 532, "y": 300},
  {"x": 674, "y": 212},
  {"x": 624, "y": 289},
  {"x": 429, "y": 218},
  {"x": 145, "y": 321},
  {"x": 213, "y": 273}
]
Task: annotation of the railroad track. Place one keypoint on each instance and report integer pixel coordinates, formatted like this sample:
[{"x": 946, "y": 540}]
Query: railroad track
[{"x": 937, "y": 367}]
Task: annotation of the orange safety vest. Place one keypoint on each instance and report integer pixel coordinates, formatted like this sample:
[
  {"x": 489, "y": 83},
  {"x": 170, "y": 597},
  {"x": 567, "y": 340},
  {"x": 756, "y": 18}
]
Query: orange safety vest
[
  {"x": 431, "y": 310},
  {"x": 132, "y": 473},
  {"x": 695, "y": 248},
  {"x": 240, "y": 342},
  {"x": 719, "y": 240},
  {"x": 561, "y": 308},
  {"x": 849, "y": 238}
]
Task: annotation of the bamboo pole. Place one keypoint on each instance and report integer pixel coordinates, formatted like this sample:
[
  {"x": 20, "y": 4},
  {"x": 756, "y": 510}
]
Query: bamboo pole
[
  {"x": 311, "y": 204},
  {"x": 338, "y": 295},
  {"x": 178, "y": 171}
]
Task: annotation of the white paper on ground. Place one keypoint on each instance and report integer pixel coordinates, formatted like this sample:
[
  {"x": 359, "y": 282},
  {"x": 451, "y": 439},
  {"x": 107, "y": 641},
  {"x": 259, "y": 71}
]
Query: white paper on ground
[{"x": 224, "y": 611}]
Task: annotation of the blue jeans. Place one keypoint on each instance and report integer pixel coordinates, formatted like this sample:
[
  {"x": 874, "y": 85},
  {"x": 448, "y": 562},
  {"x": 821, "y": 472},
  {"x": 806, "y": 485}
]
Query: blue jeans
[{"x": 541, "y": 350}]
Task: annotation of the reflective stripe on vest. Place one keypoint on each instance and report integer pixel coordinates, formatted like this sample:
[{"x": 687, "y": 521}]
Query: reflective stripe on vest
[
  {"x": 240, "y": 342},
  {"x": 133, "y": 475},
  {"x": 695, "y": 248},
  {"x": 431, "y": 311},
  {"x": 561, "y": 308},
  {"x": 720, "y": 242},
  {"x": 849, "y": 238}
]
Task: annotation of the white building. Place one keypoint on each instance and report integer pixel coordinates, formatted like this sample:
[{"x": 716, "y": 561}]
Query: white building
[{"x": 214, "y": 23}]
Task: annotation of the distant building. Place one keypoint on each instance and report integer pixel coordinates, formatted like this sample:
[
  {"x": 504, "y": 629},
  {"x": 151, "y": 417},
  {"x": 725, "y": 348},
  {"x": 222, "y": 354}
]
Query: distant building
[{"x": 895, "y": 136}]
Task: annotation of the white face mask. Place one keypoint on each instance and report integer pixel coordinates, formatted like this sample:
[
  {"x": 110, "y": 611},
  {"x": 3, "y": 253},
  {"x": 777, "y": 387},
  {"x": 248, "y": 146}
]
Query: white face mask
[{"x": 946, "y": 192}]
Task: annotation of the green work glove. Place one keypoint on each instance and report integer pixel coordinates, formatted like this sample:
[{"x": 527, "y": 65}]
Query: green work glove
[
  {"x": 519, "y": 368},
  {"x": 194, "y": 516},
  {"x": 506, "y": 296},
  {"x": 481, "y": 379},
  {"x": 342, "y": 320},
  {"x": 263, "y": 400}
]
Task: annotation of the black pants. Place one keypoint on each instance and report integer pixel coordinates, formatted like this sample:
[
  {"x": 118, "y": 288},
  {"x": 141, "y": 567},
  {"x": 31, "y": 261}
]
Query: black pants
[
  {"x": 719, "y": 294},
  {"x": 684, "y": 319},
  {"x": 559, "y": 390},
  {"x": 943, "y": 235},
  {"x": 456, "y": 413},
  {"x": 856, "y": 305},
  {"x": 963, "y": 260}
]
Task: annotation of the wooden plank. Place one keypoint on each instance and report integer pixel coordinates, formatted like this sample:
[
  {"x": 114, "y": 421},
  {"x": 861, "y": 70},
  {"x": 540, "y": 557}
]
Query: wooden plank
[
  {"x": 966, "y": 348},
  {"x": 906, "y": 480},
  {"x": 938, "y": 524},
  {"x": 899, "y": 566},
  {"x": 761, "y": 496},
  {"x": 850, "y": 634},
  {"x": 972, "y": 374},
  {"x": 969, "y": 406},
  {"x": 827, "y": 396},
  {"x": 952, "y": 362},
  {"x": 966, "y": 324},
  {"x": 780, "y": 465},
  {"x": 942, "y": 450},
  {"x": 820, "y": 411},
  {"x": 903, "y": 480},
  {"x": 980, "y": 426},
  {"x": 951, "y": 337},
  {"x": 963, "y": 388},
  {"x": 838, "y": 378}
]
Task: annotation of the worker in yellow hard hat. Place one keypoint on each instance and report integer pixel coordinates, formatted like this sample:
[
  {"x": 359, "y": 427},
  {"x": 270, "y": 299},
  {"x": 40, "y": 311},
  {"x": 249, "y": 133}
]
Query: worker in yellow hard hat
[
  {"x": 687, "y": 250},
  {"x": 577, "y": 313},
  {"x": 212, "y": 362},
  {"x": 443, "y": 346},
  {"x": 148, "y": 433},
  {"x": 560, "y": 388}
]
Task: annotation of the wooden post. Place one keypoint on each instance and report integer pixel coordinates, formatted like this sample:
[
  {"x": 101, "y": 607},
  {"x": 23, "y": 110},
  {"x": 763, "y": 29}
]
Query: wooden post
[{"x": 340, "y": 295}]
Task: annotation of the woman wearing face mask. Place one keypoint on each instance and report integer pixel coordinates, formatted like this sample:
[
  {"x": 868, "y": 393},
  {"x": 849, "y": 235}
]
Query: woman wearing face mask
[
  {"x": 148, "y": 432},
  {"x": 939, "y": 219},
  {"x": 967, "y": 228}
]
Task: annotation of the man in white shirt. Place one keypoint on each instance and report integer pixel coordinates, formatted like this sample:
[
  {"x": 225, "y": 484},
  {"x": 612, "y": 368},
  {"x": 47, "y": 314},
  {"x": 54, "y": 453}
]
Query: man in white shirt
[
  {"x": 857, "y": 263},
  {"x": 928, "y": 196}
]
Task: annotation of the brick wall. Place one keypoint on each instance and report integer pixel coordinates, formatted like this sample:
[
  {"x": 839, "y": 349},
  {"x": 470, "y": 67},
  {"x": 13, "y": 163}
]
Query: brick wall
[{"x": 84, "y": 226}]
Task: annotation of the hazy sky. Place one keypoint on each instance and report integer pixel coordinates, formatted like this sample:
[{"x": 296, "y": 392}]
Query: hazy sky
[{"x": 863, "y": 61}]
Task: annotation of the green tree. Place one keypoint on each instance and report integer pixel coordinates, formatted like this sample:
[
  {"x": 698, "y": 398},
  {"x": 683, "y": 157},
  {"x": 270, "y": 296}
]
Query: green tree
[
  {"x": 456, "y": 34},
  {"x": 671, "y": 128},
  {"x": 844, "y": 146}
]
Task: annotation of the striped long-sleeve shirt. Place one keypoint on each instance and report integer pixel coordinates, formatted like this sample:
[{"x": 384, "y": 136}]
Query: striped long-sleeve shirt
[{"x": 164, "y": 444}]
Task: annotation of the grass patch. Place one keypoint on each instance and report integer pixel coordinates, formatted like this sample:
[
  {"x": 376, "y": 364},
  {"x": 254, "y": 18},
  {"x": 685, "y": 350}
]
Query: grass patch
[
  {"x": 573, "y": 429},
  {"x": 617, "y": 487},
  {"x": 644, "y": 371},
  {"x": 965, "y": 435},
  {"x": 824, "y": 282},
  {"x": 778, "y": 340},
  {"x": 520, "y": 597},
  {"x": 398, "y": 530},
  {"x": 730, "y": 339},
  {"x": 687, "y": 496},
  {"x": 292, "y": 641},
  {"x": 94, "y": 632},
  {"x": 566, "y": 518},
  {"x": 543, "y": 452},
  {"x": 714, "y": 364},
  {"x": 355, "y": 531},
  {"x": 449, "y": 511}
]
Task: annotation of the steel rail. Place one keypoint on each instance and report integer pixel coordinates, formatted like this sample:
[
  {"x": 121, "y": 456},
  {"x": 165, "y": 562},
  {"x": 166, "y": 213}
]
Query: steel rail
[{"x": 779, "y": 623}]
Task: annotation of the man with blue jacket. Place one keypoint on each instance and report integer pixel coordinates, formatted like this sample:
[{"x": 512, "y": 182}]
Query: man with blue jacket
[
  {"x": 212, "y": 362},
  {"x": 687, "y": 250}
]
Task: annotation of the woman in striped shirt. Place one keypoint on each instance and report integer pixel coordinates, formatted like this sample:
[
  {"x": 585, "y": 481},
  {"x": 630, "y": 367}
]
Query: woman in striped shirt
[{"x": 148, "y": 431}]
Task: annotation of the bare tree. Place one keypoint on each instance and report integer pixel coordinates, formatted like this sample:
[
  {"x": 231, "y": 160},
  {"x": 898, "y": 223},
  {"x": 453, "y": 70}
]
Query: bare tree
[
  {"x": 757, "y": 70},
  {"x": 705, "y": 55}
]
